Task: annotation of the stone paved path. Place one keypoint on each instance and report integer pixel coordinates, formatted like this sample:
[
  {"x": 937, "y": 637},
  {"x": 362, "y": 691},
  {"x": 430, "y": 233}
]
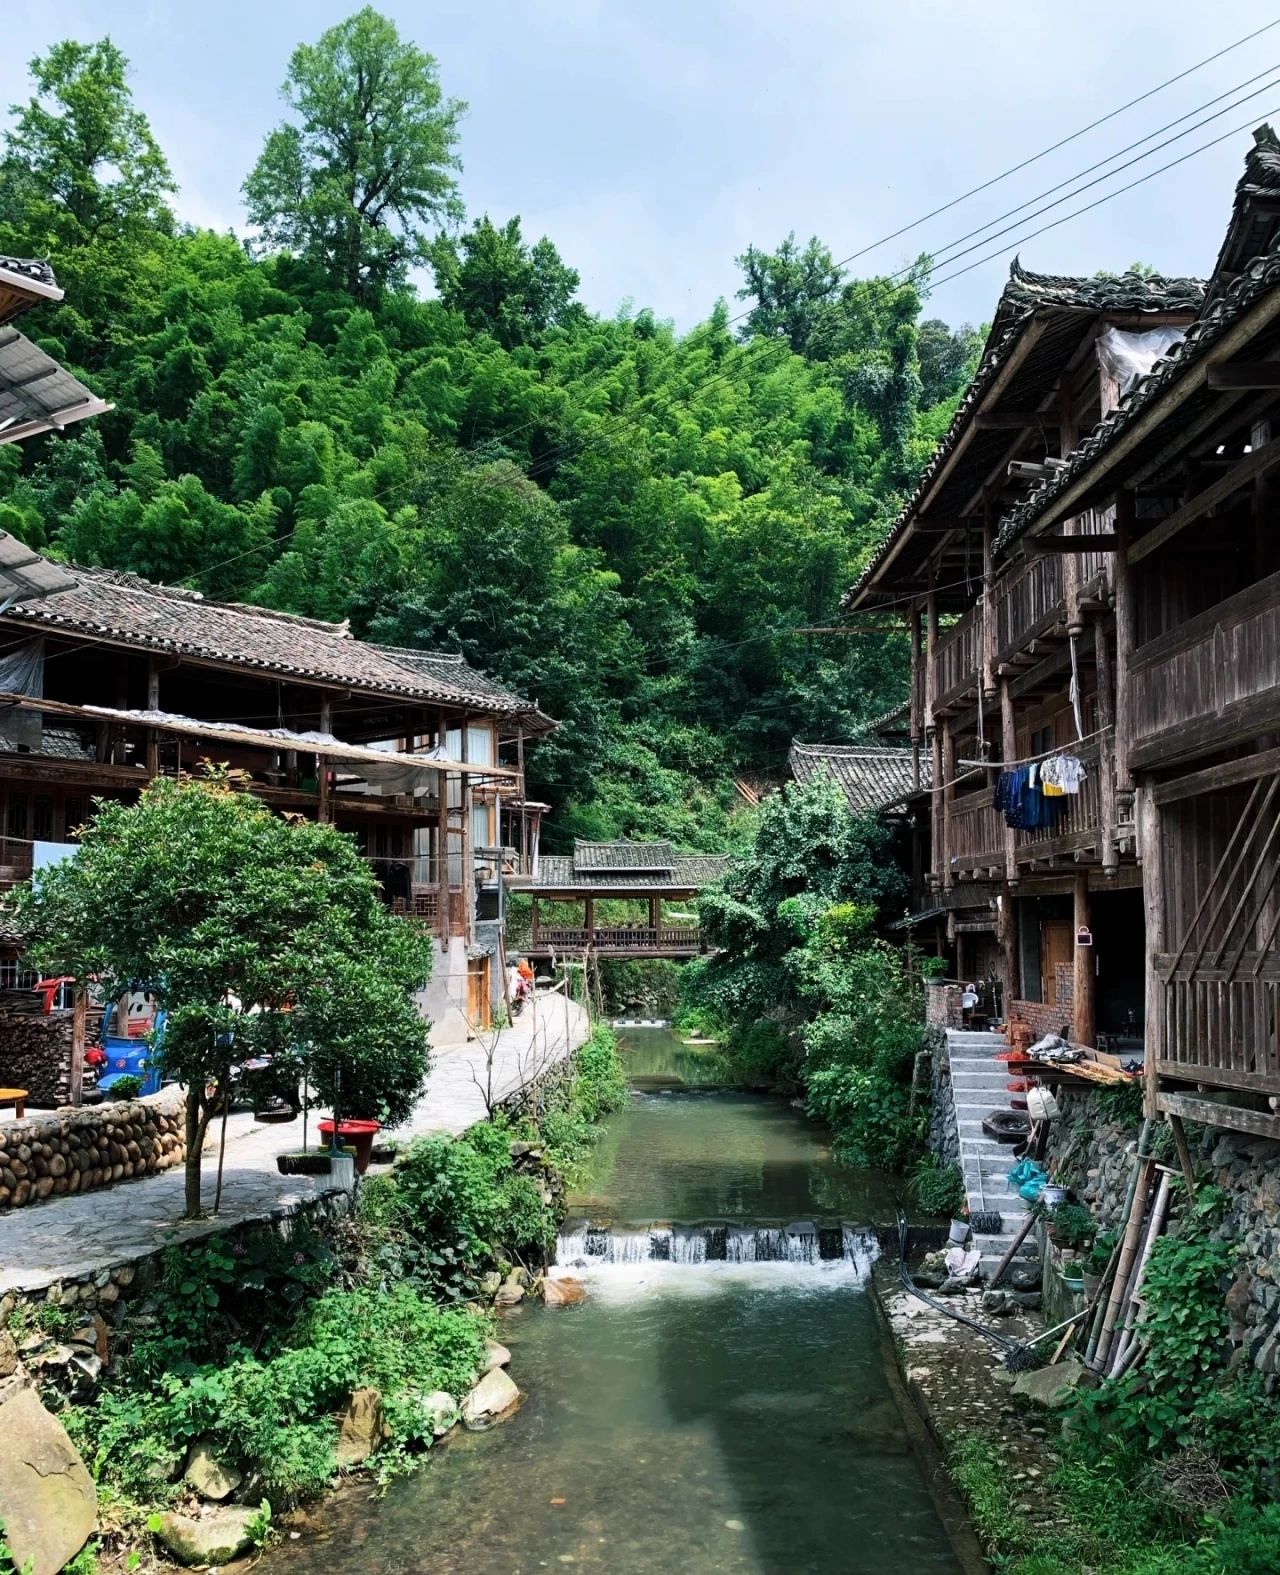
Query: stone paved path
[{"x": 72, "y": 1237}]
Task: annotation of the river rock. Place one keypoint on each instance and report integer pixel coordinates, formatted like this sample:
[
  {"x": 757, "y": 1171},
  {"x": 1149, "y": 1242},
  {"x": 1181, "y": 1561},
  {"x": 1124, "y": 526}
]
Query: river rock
[
  {"x": 563, "y": 1292},
  {"x": 495, "y": 1355},
  {"x": 48, "y": 1503},
  {"x": 509, "y": 1293},
  {"x": 210, "y": 1476},
  {"x": 361, "y": 1429},
  {"x": 219, "y": 1536},
  {"x": 1051, "y": 1387},
  {"x": 493, "y": 1398},
  {"x": 441, "y": 1412}
]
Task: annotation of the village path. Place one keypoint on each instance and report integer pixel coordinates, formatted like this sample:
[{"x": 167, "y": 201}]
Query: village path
[{"x": 74, "y": 1237}]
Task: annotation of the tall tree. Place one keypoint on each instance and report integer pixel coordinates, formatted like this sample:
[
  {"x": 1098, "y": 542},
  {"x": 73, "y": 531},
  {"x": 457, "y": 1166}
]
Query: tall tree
[
  {"x": 370, "y": 160},
  {"x": 501, "y": 286},
  {"x": 789, "y": 288}
]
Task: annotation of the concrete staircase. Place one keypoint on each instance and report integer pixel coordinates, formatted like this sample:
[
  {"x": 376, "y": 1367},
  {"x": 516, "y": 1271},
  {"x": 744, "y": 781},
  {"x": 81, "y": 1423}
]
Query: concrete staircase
[{"x": 977, "y": 1088}]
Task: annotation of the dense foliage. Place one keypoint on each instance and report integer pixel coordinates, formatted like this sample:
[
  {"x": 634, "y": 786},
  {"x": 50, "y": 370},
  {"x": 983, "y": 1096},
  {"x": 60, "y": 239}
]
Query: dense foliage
[
  {"x": 1168, "y": 1470},
  {"x": 800, "y": 987},
  {"x": 201, "y": 895},
  {"x": 630, "y": 525}
]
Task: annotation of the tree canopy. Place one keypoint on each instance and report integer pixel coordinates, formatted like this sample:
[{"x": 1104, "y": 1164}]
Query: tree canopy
[
  {"x": 204, "y": 897},
  {"x": 638, "y": 528}
]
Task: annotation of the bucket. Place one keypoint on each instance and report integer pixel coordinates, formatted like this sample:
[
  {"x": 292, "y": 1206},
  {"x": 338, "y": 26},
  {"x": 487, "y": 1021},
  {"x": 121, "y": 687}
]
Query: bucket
[
  {"x": 959, "y": 1232},
  {"x": 360, "y": 1134}
]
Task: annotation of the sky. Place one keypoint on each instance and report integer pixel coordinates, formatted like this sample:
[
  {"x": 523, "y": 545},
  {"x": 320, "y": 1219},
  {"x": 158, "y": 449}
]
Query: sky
[{"x": 653, "y": 142}]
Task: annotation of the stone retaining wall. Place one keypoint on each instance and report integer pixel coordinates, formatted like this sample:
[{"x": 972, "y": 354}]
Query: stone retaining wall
[
  {"x": 1091, "y": 1148},
  {"x": 35, "y": 1054},
  {"x": 944, "y": 1136},
  {"x": 77, "y": 1150}
]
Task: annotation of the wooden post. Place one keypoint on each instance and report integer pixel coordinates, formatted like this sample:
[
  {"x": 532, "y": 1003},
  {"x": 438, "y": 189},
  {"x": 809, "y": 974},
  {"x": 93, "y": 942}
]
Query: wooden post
[
  {"x": 590, "y": 916},
  {"x": 936, "y": 850},
  {"x": 948, "y": 794},
  {"x": 1070, "y": 568},
  {"x": 1106, "y": 748},
  {"x": 442, "y": 833},
  {"x": 468, "y": 854},
  {"x": 153, "y": 704},
  {"x": 1009, "y": 751},
  {"x": 533, "y": 936},
  {"x": 1263, "y": 494},
  {"x": 1084, "y": 973},
  {"x": 988, "y": 605},
  {"x": 930, "y": 652},
  {"x": 324, "y": 809},
  {"x": 1122, "y": 576},
  {"x": 79, "y": 1010},
  {"x": 1147, "y": 817},
  {"x": 1009, "y": 948},
  {"x": 917, "y": 722},
  {"x": 655, "y": 915}
]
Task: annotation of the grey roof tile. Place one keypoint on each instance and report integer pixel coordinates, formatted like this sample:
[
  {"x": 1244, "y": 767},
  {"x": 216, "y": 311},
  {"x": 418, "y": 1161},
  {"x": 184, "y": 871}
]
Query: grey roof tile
[{"x": 871, "y": 777}]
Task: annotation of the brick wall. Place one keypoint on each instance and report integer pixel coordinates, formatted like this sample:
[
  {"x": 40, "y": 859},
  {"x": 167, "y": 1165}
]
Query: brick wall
[
  {"x": 942, "y": 1006},
  {"x": 1043, "y": 1016}
]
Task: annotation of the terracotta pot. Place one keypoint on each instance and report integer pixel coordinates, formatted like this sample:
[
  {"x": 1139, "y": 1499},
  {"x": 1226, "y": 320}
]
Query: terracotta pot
[{"x": 359, "y": 1134}]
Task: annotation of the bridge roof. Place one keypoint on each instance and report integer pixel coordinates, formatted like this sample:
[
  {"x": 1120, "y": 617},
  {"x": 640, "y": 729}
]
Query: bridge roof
[{"x": 627, "y": 867}]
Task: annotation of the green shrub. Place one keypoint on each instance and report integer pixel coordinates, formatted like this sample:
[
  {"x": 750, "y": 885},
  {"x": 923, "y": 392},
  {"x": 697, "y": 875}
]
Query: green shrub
[
  {"x": 938, "y": 1188},
  {"x": 126, "y": 1086}
]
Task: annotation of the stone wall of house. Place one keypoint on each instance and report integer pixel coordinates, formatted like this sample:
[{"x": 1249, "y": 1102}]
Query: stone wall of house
[
  {"x": 76, "y": 1150},
  {"x": 35, "y": 1054},
  {"x": 944, "y": 1136},
  {"x": 1091, "y": 1148}
]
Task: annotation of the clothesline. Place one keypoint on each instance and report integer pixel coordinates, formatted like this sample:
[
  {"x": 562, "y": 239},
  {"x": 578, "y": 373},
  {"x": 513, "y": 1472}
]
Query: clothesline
[{"x": 1028, "y": 760}]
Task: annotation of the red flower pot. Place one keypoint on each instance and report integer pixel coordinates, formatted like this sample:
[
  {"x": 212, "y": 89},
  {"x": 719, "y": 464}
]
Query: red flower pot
[{"x": 360, "y": 1135}]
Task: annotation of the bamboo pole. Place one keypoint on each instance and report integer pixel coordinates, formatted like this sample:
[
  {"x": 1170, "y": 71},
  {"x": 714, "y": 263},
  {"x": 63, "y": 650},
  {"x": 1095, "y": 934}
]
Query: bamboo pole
[
  {"x": 1159, "y": 1211},
  {"x": 1184, "y": 1153},
  {"x": 1128, "y": 1252},
  {"x": 1009, "y": 1252}
]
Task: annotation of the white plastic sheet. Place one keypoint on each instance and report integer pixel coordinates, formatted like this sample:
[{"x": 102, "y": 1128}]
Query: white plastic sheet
[{"x": 1126, "y": 357}]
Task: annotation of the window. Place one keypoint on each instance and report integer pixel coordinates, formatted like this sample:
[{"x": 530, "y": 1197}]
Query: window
[
  {"x": 42, "y": 817},
  {"x": 16, "y": 816}
]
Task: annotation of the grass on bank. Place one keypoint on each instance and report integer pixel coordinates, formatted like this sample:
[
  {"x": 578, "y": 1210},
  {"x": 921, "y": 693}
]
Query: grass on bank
[{"x": 257, "y": 1343}]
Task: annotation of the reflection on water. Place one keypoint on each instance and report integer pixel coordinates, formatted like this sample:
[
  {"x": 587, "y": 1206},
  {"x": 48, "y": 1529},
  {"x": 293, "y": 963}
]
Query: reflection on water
[{"x": 691, "y": 1416}]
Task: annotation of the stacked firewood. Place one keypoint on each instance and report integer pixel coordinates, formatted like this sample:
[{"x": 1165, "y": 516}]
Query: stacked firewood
[{"x": 82, "y": 1149}]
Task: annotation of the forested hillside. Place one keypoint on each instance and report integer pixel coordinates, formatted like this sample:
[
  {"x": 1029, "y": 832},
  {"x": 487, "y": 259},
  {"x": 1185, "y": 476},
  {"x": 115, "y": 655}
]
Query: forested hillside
[{"x": 379, "y": 408}]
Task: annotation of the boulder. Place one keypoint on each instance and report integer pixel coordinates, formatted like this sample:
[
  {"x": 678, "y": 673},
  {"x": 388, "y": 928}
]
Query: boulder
[
  {"x": 219, "y": 1536},
  {"x": 563, "y": 1292},
  {"x": 47, "y": 1499},
  {"x": 441, "y": 1411},
  {"x": 361, "y": 1429},
  {"x": 508, "y": 1295},
  {"x": 210, "y": 1476},
  {"x": 1051, "y": 1387},
  {"x": 493, "y": 1398},
  {"x": 495, "y": 1355}
]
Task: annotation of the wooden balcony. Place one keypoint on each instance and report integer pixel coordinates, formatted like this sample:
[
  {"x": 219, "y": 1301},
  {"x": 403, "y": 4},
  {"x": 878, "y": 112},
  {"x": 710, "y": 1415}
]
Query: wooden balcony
[
  {"x": 1029, "y": 601},
  {"x": 1213, "y": 681},
  {"x": 976, "y": 833},
  {"x": 957, "y": 661}
]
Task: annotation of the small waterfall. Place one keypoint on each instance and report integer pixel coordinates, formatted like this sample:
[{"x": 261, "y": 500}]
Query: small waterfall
[{"x": 589, "y": 1243}]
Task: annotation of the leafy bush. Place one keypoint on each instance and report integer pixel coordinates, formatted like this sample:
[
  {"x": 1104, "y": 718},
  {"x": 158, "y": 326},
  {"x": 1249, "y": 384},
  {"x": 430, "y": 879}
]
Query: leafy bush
[
  {"x": 126, "y": 1086},
  {"x": 938, "y": 1188}
]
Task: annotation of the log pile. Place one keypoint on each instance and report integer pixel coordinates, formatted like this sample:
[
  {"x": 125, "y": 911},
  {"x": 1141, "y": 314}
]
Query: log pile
[
  {"x": 79, "y": 1150},
  {"x": 35, "y": 1054}
]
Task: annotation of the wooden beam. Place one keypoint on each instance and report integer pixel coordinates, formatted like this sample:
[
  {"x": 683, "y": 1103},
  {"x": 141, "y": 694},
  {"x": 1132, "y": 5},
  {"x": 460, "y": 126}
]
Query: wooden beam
[
  {"x": 1084, "y": 970},
  {"x": 1232, "y": 774},
  {"x": 1244, "y": 374},
  {"x": 1210, "y": 1113},
  {"x": 1147, "y": 826},
  {"x": 79, "y": 1011},
  {"x": 1255, "y": 464},
  {"x": 1100, "y": 541},
  {"x": 1014, "y": 420}
]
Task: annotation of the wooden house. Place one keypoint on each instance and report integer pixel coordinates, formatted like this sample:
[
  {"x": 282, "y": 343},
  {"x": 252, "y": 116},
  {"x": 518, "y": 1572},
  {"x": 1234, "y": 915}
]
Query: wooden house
[
  {"x": 1182, "y": 478},
  {"x": 1013, "y": 659}
]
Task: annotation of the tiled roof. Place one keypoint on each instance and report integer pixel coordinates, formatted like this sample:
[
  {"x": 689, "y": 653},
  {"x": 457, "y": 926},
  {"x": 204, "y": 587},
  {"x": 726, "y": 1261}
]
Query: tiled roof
[
  {"x": 872, "y": 778},
  {"x": 30, "y": 268},
  {"x": 622, "y": 856},
  {"x": 443, "y": 667},
  {"x": 685, "y": 872},
  {"x": 1024, "y": 297},
  {"x": 107, "y": 605},
  {"x": 1254, "y": 224},
  {"x": 1261, "y": 276}
]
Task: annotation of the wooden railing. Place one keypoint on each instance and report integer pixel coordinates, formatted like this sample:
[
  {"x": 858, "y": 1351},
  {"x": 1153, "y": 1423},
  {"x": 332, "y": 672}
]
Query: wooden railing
[
  {"x": 1078, "y": 819},
  {"x": 15, "y": 862},
  {"x": 958, "y": 658},
  {"x": 975, "y": 834},
  {"x": 1213, "y": 679},
  {"x": 1223, "y": 1031},
  {"x": 666, "y": 940},
  {"x": 1028, "y": 600}
]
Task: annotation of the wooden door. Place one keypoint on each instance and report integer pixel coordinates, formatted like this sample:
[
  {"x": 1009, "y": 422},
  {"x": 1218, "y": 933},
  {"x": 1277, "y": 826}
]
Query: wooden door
[{"x": 1057, "y": 945}]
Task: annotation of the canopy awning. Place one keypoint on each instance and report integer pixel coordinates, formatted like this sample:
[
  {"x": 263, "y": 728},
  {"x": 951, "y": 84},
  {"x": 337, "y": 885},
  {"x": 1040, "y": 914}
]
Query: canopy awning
[
  {"x": 25, "y": 576},
  {"x": 36, "y": 393}
]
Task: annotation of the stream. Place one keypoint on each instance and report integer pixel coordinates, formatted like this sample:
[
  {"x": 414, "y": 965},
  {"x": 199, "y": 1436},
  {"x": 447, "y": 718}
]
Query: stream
[{"x": 720, "y": 1403}]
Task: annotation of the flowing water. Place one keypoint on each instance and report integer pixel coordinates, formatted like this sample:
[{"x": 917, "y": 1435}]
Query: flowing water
[{"x": 719, "y": 1403}]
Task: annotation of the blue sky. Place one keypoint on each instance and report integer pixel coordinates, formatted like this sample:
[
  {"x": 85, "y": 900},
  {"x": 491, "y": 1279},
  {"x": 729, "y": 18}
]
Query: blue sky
[{"x": 653, "y": 142}]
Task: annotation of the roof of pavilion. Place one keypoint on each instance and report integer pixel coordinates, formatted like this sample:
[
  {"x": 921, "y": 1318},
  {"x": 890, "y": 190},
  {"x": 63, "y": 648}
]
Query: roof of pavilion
[
  {"x": 627, "y": 866},
  {"x": 1018, "y": 369},
  {"x": 872, "y": 777}
]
